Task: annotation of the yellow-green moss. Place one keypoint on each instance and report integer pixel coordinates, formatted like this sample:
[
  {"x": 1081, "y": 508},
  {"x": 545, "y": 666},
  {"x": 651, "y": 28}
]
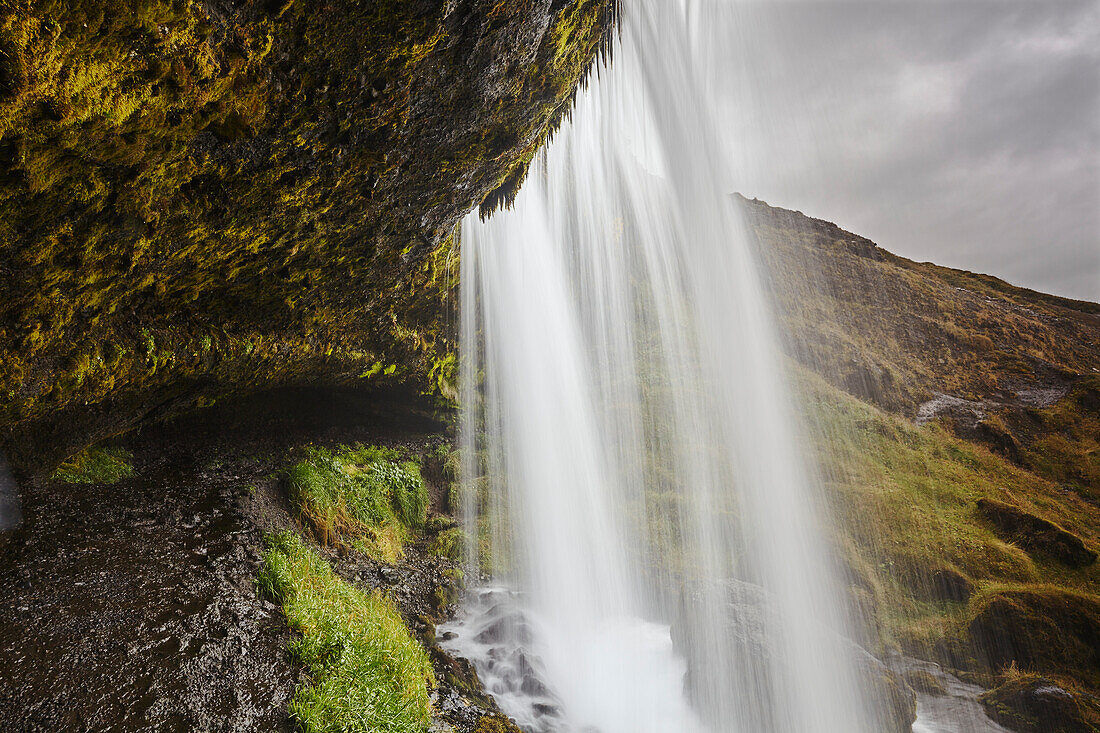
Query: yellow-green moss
[
  {"x": 266, "y": 196},
  {"x": 905, "y": 502}
]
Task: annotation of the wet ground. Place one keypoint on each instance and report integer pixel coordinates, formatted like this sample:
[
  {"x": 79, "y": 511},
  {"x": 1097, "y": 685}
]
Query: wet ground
[{"x": 133, "y": 606}]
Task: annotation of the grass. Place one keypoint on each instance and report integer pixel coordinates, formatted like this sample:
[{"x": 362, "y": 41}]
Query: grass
[
  {"x": 366, "y": 673},
  {"x": 96, "y": 466},
  {"x": 905, "y": 505},
  {"x": 368, "y": 495}
]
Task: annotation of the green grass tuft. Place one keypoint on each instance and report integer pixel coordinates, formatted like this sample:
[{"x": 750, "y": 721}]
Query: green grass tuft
[
  {"x": 359, "y": 492},
  {"x": 366, "y": 672},
  {"x": 96, "y": 466}
]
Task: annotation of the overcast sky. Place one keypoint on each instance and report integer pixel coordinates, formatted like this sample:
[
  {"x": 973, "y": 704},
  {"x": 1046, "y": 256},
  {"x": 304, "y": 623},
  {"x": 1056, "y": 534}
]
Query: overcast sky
[{"x": 965, "y": 132}]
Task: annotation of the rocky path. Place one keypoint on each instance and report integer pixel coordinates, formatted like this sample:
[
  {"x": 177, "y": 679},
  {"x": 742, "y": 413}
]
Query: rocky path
[{"x": 132, "y": 607}]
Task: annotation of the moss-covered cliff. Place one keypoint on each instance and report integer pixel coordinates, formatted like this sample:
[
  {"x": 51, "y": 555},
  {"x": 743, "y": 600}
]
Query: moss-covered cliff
[{"x": 207, "y": 197}]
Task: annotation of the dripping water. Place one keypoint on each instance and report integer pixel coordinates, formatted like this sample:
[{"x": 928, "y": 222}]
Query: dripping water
[{"x": 634, "y": 483}]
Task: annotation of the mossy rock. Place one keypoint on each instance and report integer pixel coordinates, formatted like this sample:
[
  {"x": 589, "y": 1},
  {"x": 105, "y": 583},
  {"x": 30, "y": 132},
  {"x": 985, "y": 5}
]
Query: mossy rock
[
  {"x": 209, "y": 198},
  {"x": 1048, "y": 631},
  {"x": 924, "y": 683},
  {"x": 1036, "y": 534},
  {"x": 496, "y": 724},
  {"x": 1034, "y": 704}
]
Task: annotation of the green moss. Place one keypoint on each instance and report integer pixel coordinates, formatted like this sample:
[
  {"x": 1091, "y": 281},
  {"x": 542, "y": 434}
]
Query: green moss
[
  {"x": 450, "y": 543},
  {"x": 362, "y": 492},
  {"x": 496, "y": 724},
  {"x": 96, "y": 466},
  {"x": 1046, "y": 629},
  {"x": 365, "y": 671}
]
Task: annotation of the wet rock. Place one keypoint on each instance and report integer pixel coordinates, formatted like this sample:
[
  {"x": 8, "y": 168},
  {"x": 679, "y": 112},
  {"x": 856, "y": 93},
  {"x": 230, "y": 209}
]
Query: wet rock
[
  {"x": 496, "y": 724},
  {"x": 1034, "y": 533},
  {"x": 504, "y": 628},
  {"x": 1032, "y": 704},
  {"x": 1048, "y": 631},
  {"x": 749, "y": 616},
  {"x": 924, "y": 683}
]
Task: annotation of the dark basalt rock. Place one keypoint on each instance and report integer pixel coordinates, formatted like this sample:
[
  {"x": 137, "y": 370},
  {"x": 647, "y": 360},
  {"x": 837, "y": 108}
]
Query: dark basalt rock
[
  {"x": 1036, "y": 534},
  {"x": 1032, "y": 704},
  {"x": 199, "y": 199},
  {"x": 1049, "y": 632}
]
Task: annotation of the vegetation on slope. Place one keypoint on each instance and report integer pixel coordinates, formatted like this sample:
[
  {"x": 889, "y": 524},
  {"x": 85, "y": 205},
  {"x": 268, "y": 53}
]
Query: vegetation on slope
[
  {"x": 1010, "y": 368},
  {"x": 369, "y": 496},
  {"x": 928, "y": 566},
  {"x": 366, "y": 673}
]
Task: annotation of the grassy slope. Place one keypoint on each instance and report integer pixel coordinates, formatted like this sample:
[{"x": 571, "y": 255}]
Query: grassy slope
[
  {"x": 371, "y": 497},
  {"x": 874, "y": 335},
  {"x": 96, "y": 465},
  {"x": 366, "y": 672},
  {"x": 905, "y": 499}
]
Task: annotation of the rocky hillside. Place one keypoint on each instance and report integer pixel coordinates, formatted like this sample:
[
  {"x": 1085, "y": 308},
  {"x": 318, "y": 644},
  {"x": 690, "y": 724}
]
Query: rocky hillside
[
  {"x": 957, "y": 424},
  {"x": 1016, "y": 370},
  {"x": 202, "y": 198}
]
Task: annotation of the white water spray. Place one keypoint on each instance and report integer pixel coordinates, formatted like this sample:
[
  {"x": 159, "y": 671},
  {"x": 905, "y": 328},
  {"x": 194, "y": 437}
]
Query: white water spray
[{"x": 632, "y": 465}]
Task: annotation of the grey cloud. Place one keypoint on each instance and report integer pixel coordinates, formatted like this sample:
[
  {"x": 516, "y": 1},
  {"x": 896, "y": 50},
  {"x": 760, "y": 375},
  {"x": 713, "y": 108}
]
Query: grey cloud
[{"x": 966, "y": 133}]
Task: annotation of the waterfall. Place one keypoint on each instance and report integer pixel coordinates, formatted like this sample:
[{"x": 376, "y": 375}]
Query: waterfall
[{"x": 635, "y": 490}]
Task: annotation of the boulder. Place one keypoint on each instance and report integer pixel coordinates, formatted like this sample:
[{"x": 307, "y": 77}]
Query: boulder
[
  {"x": 1034, "y": 533},
  {"x": 1034, "y": 704}
]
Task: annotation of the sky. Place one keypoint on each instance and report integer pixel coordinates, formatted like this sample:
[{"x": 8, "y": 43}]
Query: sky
[{"x": 962, "y": 132}]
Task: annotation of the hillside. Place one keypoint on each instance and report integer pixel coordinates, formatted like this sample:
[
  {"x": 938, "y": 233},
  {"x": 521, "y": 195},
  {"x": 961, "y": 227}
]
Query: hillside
[
  {"x": 1016, "y": 370},
  {"x": 957, "y": 421}
]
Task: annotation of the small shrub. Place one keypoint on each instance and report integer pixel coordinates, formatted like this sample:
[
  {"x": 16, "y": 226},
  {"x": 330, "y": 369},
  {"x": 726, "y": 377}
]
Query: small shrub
[{"x": 96, "y": 466}]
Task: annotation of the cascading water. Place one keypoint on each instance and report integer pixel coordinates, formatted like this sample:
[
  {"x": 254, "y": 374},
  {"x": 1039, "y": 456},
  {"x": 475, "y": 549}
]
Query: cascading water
[{"x": 634, "y": 479}]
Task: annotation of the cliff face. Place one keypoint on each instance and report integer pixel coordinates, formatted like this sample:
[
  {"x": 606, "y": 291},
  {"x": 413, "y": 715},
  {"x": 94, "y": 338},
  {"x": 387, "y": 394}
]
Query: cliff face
[{"x": 199, "y": 198}]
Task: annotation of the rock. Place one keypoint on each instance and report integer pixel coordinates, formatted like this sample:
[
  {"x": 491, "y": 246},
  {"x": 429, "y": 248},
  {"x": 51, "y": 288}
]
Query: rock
[
  {"x": 749, "y": 616},
  {"x": 1034, "y": 533},
  {"x": 924, "y": 683},
  {"x": 496, "y": 724},
  {"x": 951, "y": 585},
  {"x": 1033, "y": 704},
  {"x": 244, "y": 212},
  {"x": 1048, "y": 631},
  {"x": 871, "y": 382}
]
